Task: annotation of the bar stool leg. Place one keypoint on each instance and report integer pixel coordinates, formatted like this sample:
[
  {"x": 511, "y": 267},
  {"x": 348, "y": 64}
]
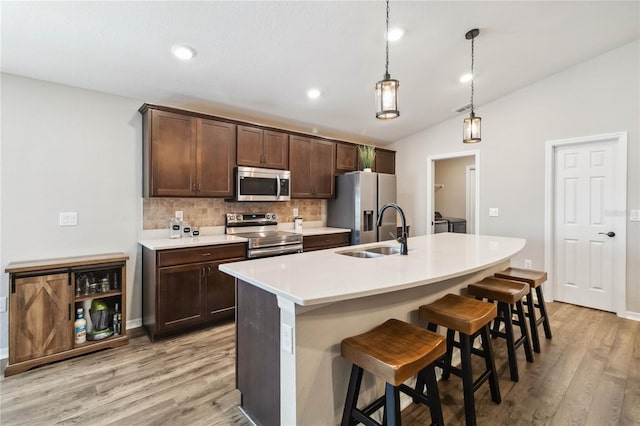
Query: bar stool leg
[
  {"x": 392, "y": 405},
  {"x": 434, "y": 397},
  {"x": 524, "y": 331},
  {"x": 533, "y": 324},
  {"x": 467, "y": 380},
  {"x": 446, "y": 370},
  {"x": 543, "y": 313},
  {"x": 505, "y": 308},
  {"x": 352, "y": 395},
  {"x": 490, "y": 364}
]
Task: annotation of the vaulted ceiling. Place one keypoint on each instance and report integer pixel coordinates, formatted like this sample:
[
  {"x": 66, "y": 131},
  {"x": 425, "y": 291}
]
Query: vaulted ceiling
[{"x": 257, "y": 59}]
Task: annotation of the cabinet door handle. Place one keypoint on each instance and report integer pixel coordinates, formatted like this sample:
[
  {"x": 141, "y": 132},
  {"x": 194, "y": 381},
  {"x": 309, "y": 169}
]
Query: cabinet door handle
[
  {"x": 203, "y": 272},
  {"x": 69, "y": 311},
  {"x": 198, "y": 187},
  {"x": 209, "y": 270},
  {"x": 206, "y": 254}
]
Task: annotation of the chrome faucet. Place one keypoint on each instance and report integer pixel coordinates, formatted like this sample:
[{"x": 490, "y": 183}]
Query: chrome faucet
[{"x": 402, "y": 239}]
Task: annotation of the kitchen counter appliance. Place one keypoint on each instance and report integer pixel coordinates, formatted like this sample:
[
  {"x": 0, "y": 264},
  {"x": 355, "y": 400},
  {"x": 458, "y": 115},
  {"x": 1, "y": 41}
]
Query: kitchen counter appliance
[
  {"x": 359, "y": 198},
  {"x": 256, "y": 184},
  {"x": 261, "y": 229},
  {"x": 449, "y": 224}
]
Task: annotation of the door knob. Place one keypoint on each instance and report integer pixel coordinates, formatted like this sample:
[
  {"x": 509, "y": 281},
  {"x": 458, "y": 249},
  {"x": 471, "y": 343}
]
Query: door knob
[{"x": 609, "y": 234}]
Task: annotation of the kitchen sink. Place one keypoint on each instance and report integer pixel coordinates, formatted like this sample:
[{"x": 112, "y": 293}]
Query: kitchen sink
[
  {"x": 360, "y": 253},
  {"x": 371, "y": 252},
  {"x": 383, "y": 250}
]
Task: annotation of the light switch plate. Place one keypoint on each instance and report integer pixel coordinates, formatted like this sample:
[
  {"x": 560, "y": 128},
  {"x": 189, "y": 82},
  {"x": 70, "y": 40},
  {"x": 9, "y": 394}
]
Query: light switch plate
[
  {"x": 179, "y": 215},
  {"x": 3, "y": 304},
  {"x": 68, "y": 218},
  {"x": 494, "y": 212},
  {"x": 295, "y": 212},
  {"x": 634, "y": 215}
]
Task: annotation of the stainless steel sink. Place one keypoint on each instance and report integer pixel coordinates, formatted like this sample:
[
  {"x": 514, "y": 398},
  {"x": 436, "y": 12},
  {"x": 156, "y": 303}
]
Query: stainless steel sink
[
  {"x": 383, "y": 250},
  {"x": 371, "y": 252},
  {"x": 360, "y": 253}
]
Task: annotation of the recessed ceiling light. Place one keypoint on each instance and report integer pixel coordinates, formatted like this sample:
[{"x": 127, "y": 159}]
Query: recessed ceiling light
[
  {"x": 313, "y": 93},
  {"x": 465, "y": 78},
  {"x": 395, "y": 34},
  {"x": 183, "y": 52}
]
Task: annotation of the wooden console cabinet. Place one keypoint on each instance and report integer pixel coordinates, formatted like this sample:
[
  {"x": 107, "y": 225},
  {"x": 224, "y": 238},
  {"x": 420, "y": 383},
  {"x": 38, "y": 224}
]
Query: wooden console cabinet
[
  {"x": 182, "y": 289},
  {"x": 43, "y": 299}
]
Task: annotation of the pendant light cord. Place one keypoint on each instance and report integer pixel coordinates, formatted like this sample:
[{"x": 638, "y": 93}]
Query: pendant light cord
[
  {"x": 473, "y": 77},
  {"x": 386, "y": 37}
]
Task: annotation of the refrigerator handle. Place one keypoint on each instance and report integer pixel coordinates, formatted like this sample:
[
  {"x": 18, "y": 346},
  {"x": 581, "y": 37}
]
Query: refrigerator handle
[{"x": 368, "y": 220}]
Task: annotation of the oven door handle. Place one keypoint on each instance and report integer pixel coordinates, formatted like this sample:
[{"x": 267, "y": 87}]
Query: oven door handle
[
  {"x": 271, "y": 251},
  {"x": 278, "y": 186}
]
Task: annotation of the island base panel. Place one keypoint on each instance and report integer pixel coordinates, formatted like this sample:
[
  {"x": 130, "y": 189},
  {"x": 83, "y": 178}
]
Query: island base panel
[{"x": 258, "y": 353}]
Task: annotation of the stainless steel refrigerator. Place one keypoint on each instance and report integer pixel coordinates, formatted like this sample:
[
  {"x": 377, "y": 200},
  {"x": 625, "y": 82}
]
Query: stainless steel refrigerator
[{"x": 359, "y": 198}]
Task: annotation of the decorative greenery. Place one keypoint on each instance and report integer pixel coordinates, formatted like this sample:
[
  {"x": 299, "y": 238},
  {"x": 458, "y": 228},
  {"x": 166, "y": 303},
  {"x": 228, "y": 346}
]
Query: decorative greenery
[{"x": 367, "y": 155}]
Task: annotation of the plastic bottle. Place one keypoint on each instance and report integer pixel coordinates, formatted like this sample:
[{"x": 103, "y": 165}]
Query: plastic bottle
[
  {"x": 117, "y": 317},
  {"x": 80, "y": 326}
]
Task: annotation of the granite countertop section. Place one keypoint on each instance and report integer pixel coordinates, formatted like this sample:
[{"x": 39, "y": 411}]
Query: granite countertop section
[
  {"x": 326, "y": 276},
  {"x": 206, "y": 240}
]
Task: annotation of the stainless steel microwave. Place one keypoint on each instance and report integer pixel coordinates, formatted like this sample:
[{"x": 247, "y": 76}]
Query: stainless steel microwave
[{"x": 255, "y": 184}]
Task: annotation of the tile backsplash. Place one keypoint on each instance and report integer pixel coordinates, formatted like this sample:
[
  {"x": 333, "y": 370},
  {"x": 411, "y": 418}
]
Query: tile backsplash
[{"x": 201, "y": 212}]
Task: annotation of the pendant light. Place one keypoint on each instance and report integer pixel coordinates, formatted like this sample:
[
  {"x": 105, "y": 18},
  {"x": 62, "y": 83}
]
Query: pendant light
[
  {"x": 387, "y": 89},
  {"x": 471, "y": 132}
]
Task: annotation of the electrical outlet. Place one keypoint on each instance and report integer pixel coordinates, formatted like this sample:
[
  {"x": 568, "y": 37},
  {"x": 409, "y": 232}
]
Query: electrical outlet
[
  {"x": 68, "y": 218},
  {"x": 494, "y": 212},
  {"x": 295, "y": 212},
  {"x": 179, "y": 214},
  {"x": 3, "y": 304},
  {"x": 527, "y": 264},
  {"x": 634, "y": 215},
  {"x": 286, "y": 337}
]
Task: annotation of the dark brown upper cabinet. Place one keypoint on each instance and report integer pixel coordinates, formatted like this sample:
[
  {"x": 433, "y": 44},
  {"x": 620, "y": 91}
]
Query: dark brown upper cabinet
[
  {"x": 385, "y": 161},
  {"x": 312, "y": 164},
  {"x": 262, "y": 148},
  {"x": 187, "y": 156},
  {"x": 346, "y": 157}
]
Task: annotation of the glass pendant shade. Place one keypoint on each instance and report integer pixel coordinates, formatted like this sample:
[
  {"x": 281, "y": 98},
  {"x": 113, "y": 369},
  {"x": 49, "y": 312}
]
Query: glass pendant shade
[
  {"x": 387, "y": 98},
  {"x": 472, "y": 132}
]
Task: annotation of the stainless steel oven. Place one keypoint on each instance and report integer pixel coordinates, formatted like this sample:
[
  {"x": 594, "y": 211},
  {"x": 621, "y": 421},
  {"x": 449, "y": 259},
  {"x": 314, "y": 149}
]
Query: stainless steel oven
[
  {"x": 261, "y": 230},
  {"x": 255, "y": 184}
]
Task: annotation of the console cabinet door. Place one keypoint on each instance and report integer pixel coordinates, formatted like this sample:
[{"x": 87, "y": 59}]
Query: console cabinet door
[
  {"x": 385, "y": 162},
  {"x": 312, "y": 164},
  {"x": 180, "y": 290},
  {"x": 172, "y": 155},
  {"x": 41, "y": 320},
  {"x": 250, "y": 152},
  {"x": 323, "y": 168},
  {"x": 216, "y": 158},
  {"x": 276, "y": 150},
  {"x": 346, "y": 157},
  {"x": 299, "y": 160}
]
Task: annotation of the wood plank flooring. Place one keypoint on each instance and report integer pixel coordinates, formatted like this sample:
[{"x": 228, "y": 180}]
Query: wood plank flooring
[{"x": 589, "y": 374}]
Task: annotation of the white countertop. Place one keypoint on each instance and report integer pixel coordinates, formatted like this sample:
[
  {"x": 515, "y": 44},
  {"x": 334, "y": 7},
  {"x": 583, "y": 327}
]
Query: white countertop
[
  {"x": 325, "y": 276},
  {"x": 154, "y": 243},
  {"x": 205, "y": 240}
]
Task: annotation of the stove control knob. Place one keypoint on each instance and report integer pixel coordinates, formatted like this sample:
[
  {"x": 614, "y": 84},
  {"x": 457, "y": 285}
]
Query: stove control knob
[
  {"x": 238, "y": 217},
  {"x": 230, "y": 217},
  {"x": 268, "y": 216},
  {"x": 274, "y": 217}
]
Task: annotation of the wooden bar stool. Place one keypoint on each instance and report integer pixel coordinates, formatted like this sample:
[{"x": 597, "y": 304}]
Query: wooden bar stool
[
  {"x": 470, "y": 318},
  {"x": 393, "y": 351},
  {"x": 507, "y": 293},
  {"x": 535, "y": 280}
]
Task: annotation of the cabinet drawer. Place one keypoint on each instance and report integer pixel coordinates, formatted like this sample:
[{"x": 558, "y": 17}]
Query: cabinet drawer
[
  {"x": 200, "y": 254},
  {"x": 319, "y": 242}
]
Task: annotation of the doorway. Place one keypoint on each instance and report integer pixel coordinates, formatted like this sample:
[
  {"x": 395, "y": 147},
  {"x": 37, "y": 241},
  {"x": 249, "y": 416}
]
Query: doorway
[
  {"x": 455, "y": 195},
  {"x": 585, "y": 220}
]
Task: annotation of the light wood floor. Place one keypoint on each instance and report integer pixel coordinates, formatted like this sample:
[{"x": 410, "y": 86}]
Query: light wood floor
[{"x": 588, "y": 374}]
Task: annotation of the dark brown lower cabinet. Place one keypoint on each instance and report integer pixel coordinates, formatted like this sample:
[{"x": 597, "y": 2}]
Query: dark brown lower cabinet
[
  {"x": 183, "y": 289},
  {"x": 325, "y": 241}
]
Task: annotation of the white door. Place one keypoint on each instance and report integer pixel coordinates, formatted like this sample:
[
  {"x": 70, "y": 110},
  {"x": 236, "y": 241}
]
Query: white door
[
  {"x": 471, "y": 199},
  {"x": 586, "y": 198}
]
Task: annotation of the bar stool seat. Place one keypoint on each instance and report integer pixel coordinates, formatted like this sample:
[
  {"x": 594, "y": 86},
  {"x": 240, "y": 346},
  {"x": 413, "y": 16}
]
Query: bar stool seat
[
  {"x": 393, "y": 351},
  {"x": 470, "y": 318},
  {"x": 508, "y": 294},
  {"x": 534, "y": 279}
]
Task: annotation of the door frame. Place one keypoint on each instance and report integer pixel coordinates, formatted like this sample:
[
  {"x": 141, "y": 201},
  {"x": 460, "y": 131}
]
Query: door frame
[
  {"x": 431, "y": 182},
  {"x": 468, "y": 183},
  {"x": 619, "y": 287}
]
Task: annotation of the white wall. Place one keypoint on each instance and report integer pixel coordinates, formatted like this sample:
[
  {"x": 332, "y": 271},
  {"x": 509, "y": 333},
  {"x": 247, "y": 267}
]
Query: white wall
[
  {"x": 599, "y": 96},
  {"x": 69, "y": 149}
]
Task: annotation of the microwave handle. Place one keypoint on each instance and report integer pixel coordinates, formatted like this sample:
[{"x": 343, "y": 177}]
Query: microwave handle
[{"x": 278, "y": 185}]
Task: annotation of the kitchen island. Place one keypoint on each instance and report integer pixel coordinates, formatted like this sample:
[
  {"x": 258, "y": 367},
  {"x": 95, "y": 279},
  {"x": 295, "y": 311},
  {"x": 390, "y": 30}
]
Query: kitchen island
[{"x": 293, "y": 311}]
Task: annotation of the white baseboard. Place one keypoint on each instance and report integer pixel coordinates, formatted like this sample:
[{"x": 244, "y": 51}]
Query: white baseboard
[
  {"x": 4, "y": 353},
  {"x": 134, "y": 323},
  {"x": 632, "y": 315}
]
